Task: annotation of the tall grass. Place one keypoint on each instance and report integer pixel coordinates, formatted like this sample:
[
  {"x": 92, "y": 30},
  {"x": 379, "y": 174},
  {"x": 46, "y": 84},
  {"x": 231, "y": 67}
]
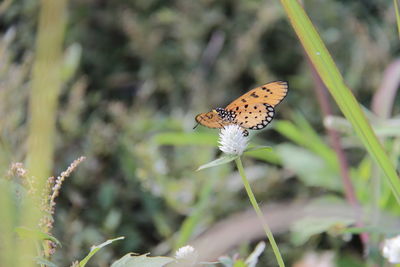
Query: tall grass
[
  {"x": 396, "y": 10},
  {"x": 330, "y": 75}
]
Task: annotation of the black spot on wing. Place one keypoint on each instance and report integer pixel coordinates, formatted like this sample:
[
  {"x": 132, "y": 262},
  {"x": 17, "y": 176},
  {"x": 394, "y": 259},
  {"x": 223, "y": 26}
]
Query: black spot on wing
[{"x": 254, "y": 95}]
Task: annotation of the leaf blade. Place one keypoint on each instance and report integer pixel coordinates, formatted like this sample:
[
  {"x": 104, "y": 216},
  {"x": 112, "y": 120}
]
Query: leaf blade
[
  {"x": 131, "y": 260},
  {"x": 330, "y": 75},
  {"x": 95, "y": 249},
  {"x": 220, "y": 161}
]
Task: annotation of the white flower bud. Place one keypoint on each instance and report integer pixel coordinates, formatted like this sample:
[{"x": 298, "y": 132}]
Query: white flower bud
[
  {"x": 391, "y": 249},
  {"x": 186, "y": 255},
  {"x": 232, "y": 140}
]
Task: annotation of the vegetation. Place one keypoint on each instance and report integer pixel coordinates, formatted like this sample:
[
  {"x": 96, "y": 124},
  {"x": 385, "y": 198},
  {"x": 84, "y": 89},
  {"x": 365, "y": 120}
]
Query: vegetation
[{"x": 97, "y": 107}]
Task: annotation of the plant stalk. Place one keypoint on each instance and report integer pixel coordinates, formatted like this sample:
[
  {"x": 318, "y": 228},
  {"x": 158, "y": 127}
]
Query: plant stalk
[
  {"x": 43, "y": 103},
  {"x": 334, "y": 81},
  {"x": 396, "y": 8},
  {"x": 259, "y": 213}
]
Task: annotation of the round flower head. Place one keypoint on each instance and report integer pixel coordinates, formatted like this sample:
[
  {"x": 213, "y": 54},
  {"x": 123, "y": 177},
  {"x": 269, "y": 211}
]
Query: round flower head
[
  {"x": 391, "y": 249},
  {"x": 187, "y": 255},
  {"x": 232, "y": 140}
]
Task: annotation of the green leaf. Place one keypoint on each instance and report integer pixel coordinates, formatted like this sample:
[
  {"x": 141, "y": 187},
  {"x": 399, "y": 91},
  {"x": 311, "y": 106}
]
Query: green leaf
[
  {"x": 41, "y": 261},
  {"x": 384, "y": 128},
  {"x": 222, "y": 160},
  {"x": 304, "y": 228},
  {"x": 26, "y": 233},
  {"x": 265, "y": 153},
  {"x": 304, "y": 135},
  {"x": 259, "y": 148},
  {"x": 94, "y": 250},
  {"x": 311, "y": 169},
  {"x": 372, "y": 229},
  {"x": 267, "y": 156},
  {"x": 132, "y": 260},
  {"x": 330, "y": 75},
  {"x": 349, "y": 259},
  {"x": 239, "y": 263}
]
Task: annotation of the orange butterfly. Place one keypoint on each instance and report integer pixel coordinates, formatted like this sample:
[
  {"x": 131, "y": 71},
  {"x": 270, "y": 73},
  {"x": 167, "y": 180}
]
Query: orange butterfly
[{"x": 254, "y": 110}]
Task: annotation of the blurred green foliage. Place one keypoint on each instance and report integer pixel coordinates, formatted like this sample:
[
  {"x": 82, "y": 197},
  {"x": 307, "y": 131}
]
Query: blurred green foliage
[{"x": 136, "y": 73}]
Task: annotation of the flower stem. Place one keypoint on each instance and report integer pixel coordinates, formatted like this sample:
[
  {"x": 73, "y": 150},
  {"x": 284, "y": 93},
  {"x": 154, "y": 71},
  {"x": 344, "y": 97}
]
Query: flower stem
[{"x": 259, "y": 213}]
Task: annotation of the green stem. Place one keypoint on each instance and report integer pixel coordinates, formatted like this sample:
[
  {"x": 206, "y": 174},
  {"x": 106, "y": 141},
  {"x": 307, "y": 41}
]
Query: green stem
[
  {"x": 259, "y": 213},
  {"x": 396, "y": 8},
  {"x": 43, "y": 101}
]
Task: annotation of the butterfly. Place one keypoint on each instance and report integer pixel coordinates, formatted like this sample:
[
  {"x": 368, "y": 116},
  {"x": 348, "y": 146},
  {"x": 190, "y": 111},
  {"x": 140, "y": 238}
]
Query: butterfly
[{"x": 254, "y": 110}]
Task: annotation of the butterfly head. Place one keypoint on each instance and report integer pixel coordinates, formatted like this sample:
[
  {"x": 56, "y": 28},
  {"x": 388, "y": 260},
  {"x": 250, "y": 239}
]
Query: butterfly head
[{"x": 212, "y": 119}]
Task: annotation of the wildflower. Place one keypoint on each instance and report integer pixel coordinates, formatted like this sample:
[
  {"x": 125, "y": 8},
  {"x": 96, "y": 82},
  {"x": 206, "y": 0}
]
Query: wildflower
[
  {"x": 186, "y": 254},
  {"x": 17, "y": 169},
  {"x": 232, "y": 140},
  {"x": 391, "y": 249},
  {"x": 57, "y": 183}
]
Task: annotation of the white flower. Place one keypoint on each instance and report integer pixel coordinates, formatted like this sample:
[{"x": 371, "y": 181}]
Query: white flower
[
  {"x": 391, "y": 249},
  {"x": 232, "y": 140},
  {"x": 186, "y": 254}
]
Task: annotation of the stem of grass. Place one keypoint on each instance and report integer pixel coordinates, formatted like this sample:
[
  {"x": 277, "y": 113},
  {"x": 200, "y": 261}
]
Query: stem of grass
[
  {"x": 396, "y": 8},
  {"x": 334, "y": 81},
  {"x": 43, "y": 101},
  {"x": 259, "y": 213}
]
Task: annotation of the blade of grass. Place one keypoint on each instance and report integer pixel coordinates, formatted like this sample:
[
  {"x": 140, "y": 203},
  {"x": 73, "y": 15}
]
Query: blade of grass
[
  {"x": 94, "y": 250},
  {"x": 327, "y": 70},
  {"x": 396, "y": 9},
  {"x": 219, "y": 161}
]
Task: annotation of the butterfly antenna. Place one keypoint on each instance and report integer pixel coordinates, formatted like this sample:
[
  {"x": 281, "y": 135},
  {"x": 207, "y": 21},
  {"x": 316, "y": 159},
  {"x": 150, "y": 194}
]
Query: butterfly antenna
[{"x": 195, "y": 126}]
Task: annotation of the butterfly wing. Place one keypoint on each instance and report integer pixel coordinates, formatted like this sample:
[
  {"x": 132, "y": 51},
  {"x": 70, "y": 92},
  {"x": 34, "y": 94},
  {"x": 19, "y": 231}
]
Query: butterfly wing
[
  {"x": 270, "y": 93},
  {"x": 253, "y": 110},
  {"x": 211, "y": 120},
  {"x": 254, "y": 116}
]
